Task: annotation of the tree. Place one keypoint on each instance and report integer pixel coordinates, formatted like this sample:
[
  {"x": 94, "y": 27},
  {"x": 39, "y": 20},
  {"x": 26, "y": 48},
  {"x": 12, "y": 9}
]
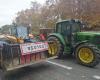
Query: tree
[
  {"x": 30, "y": 17},
  {"x": 5, "y": 29},
  {"x": 54, "y": 10}
]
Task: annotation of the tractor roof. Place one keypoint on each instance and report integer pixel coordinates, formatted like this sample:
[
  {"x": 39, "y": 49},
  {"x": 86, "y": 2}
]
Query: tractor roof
[{"x": 68, "y": 20}]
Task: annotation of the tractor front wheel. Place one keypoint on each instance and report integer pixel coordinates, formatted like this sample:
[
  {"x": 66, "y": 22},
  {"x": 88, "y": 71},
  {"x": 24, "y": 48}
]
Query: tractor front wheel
[
  {"x": 55, "y": 47},
  {"x": 87, "y": 55}
]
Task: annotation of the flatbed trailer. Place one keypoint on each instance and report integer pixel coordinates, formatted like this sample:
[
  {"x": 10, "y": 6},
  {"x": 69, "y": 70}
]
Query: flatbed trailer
[{"x": 14, "y": 56}]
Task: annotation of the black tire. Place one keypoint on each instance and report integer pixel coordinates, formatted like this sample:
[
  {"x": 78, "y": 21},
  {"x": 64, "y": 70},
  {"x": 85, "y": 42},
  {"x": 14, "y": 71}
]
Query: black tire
[
  {"x": 60, "y": 48},
  {"x": 95, "y": 52}
]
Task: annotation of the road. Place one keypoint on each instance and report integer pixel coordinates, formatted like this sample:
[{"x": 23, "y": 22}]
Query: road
[{"x": 56, "y": 69}]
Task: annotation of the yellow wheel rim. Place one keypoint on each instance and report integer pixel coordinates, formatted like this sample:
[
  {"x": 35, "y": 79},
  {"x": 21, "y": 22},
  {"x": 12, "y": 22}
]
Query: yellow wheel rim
[
  {"x": 86, "y": 55},
  {"x": 53, "y": 48}
]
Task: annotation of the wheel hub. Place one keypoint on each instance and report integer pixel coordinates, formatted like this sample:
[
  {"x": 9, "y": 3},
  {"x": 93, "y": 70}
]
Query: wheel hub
[
  {"x": 86, "y": 55},
  {"x": 53, "y": 48}
]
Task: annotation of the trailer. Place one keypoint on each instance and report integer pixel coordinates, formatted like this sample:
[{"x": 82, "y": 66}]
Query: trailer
[
  {"x": 19, "y": 50},
  {"x": 14, "y": 56}
]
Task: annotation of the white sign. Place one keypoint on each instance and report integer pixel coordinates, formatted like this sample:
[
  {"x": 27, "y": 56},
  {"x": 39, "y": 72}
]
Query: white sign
[{"x": 30, "y": 48}]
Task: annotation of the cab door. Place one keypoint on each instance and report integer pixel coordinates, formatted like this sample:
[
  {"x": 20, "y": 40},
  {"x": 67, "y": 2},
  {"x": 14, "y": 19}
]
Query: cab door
[{"x": 66, "y": 32}]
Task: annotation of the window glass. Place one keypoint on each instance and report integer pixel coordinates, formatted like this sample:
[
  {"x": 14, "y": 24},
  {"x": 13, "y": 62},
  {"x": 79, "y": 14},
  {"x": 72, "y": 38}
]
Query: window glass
[
  {"x": 76, "y": 27},
  {"x": 65, "y": 28},
  {"x": 59, "y": 28},
  {"x": 13, "y": 31},
  {"x": 22, "y": 32}
]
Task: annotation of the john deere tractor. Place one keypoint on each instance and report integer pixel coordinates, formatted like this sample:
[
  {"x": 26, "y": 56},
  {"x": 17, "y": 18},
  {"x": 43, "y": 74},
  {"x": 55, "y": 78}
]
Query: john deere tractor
[{"x": 68, "y": 38}]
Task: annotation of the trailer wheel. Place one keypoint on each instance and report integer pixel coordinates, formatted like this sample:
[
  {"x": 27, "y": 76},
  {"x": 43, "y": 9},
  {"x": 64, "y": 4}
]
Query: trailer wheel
[
  {"x": 55, "y": 47},
  {"x": 87, "y": 55}
]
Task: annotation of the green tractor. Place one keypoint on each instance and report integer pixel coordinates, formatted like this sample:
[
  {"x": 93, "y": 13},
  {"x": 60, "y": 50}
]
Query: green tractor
[{"x": 68, "y": 38}]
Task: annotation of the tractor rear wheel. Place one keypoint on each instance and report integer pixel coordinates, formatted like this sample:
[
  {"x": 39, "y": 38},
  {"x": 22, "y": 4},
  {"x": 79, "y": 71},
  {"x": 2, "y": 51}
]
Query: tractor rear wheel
[
  {"x": 87, "y": 55},
  {"x": 55, "y": 47}
]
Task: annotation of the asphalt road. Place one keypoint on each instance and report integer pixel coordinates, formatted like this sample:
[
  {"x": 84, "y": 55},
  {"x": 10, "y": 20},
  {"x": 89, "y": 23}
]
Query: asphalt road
[{"x": 56, "y": 69}]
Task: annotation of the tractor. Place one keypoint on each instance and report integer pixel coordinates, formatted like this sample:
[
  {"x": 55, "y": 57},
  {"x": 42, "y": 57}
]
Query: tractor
[
  {"x": 18, "y": 35},
  {"x": 69, "y": 39}
]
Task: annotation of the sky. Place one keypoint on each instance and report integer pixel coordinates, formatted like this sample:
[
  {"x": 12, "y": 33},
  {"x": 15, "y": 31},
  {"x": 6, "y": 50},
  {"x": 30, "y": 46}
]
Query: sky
[{"x": 9, "y": 8}]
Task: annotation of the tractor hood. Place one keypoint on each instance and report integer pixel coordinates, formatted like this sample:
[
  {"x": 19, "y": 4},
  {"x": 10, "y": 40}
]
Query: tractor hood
[
  {"x": 88, "y": 33},
  {"x": 91, "y": 37}
]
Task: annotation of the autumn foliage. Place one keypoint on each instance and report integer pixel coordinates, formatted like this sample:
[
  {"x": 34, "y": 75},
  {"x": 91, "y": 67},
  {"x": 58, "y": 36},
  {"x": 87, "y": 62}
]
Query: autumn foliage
[{"x": 54, "y": 10}]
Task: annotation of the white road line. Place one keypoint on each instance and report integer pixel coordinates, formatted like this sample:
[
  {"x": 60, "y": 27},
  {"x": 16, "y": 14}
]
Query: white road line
[
  {"x": 96, "y": 77},
  {"x": 60, "y": 65},
  {"x": 83, "y": 76}
]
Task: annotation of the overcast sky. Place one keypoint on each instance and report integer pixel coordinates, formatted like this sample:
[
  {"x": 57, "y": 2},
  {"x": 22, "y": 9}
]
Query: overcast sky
[{"x": 9, "y": 8}]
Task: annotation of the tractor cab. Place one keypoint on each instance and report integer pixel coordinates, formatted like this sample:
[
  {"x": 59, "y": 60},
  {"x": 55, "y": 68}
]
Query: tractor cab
[
  {"x": 69, "y": 26},
  {"x": 68, "y": 29},
  {"x": 19, "y": 32}
]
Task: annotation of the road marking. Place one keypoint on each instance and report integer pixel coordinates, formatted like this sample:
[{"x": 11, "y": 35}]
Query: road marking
[
  {"x": 60, "y": 65},
  {"x": 96, "y": 77},
  {"x": 83, "y": 76}
]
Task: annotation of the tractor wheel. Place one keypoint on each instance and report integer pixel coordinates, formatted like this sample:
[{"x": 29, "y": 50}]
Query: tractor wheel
[
  {"x": 87, "y": 55},
  {"x": 55, "y": 47}
]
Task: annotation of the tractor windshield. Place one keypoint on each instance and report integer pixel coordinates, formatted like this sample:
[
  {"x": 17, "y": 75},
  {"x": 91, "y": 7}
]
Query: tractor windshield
[
  {"x": 20, "y": 32},
  {"x": 65, "y": 26},
  {"x": 76, "y": 27}
]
